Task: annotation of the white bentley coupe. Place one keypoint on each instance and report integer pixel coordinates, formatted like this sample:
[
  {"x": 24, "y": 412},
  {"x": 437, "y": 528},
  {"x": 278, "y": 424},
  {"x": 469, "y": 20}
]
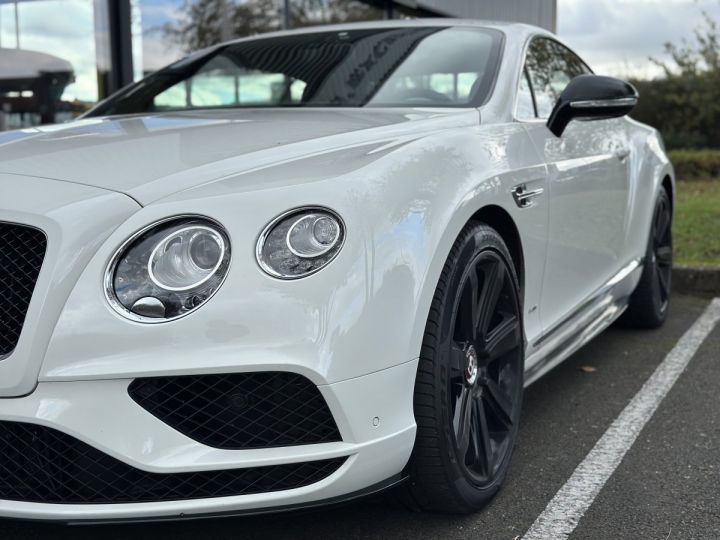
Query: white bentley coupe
[{"x": 305, "y": 267}]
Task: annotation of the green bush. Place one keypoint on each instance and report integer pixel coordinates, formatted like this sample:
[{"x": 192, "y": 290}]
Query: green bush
[{"x": 696, "y": 164}]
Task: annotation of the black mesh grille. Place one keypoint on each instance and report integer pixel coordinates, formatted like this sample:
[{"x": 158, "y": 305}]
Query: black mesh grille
[
  {"x": 22, "y": 250},
  {"x": 40, "y": 464},
  {"x": 240, "y": 410}
]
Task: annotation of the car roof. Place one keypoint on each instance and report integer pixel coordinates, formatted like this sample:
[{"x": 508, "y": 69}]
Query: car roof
[{"x": 513, "y": 30}]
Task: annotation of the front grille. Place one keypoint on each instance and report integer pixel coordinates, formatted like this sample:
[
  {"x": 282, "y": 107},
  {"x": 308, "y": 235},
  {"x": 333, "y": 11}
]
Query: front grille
[
  {"x": 240, "y": 410},
  {"x": 41, "y": 464},
  {"x": 22, "y": 250}
]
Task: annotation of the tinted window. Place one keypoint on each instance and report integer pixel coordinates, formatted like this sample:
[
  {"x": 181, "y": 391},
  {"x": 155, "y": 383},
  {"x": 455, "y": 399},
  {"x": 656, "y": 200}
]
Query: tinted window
[
  {"x": 551, "y": 67},
  {"x": 408, "y": 67}
]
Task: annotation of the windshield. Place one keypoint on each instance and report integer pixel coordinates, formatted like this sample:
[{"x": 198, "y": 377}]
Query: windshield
[{"x": 386, "y": 67}]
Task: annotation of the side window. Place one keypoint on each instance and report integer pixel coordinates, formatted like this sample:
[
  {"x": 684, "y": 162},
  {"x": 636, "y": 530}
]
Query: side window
[
  {"x": 525, "y": 107},
  {"x": 551, "y": 66}
]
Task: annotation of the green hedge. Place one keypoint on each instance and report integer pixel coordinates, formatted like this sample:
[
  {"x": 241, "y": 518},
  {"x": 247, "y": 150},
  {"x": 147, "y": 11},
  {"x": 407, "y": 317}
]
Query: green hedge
[{"x": 696, "y": 164}]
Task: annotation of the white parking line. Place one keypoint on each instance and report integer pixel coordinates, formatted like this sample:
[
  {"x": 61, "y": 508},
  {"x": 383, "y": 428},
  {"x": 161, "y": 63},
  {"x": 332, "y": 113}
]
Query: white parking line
[{"x": 570, "y": 503}]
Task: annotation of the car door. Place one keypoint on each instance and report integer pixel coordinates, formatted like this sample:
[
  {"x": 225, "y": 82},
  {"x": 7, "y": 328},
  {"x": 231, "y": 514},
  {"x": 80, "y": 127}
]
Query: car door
[{"x": 588, "y": 187}]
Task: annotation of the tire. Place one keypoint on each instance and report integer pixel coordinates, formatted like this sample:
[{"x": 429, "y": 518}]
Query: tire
[
  {"x": 648, "y": 307},
  {"x": 469, "y": 385}
]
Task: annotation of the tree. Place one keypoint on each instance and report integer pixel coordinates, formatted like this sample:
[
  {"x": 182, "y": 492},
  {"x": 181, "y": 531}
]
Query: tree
[
  {"x": 310, "y": 12},
  {"x": 684, "y": 104},
  {"x": 208, "y": 22}
]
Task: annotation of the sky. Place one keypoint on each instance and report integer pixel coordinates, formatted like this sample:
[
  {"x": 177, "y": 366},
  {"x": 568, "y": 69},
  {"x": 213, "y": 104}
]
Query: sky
[
  {"x": 156, "y": 52},
  {"x": 616, "y": 37}
]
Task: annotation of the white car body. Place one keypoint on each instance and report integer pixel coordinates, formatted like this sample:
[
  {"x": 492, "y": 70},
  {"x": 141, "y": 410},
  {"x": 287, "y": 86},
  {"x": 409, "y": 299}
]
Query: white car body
[{"x": 404, "y": 181}]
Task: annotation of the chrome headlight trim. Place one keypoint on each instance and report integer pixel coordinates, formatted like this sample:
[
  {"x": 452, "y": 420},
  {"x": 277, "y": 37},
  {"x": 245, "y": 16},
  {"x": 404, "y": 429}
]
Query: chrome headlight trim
[
  {"x": 109, "y": 275},
  {"x": 297, "y": 210}
]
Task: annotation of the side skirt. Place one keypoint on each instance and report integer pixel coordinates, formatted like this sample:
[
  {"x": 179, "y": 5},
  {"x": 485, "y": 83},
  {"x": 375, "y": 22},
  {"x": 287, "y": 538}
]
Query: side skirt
[{"x": 593, "y": 316}]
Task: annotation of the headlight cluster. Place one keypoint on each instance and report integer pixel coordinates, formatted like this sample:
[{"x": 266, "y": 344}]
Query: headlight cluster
[
  {"x": 172, "y": 267},
  {"x": 300, "y": 242},
  {"x": 168, "y": 270}
]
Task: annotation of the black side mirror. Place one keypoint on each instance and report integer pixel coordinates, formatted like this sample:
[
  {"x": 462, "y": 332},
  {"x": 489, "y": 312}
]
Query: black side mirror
[{"x": 592, "y": 97}]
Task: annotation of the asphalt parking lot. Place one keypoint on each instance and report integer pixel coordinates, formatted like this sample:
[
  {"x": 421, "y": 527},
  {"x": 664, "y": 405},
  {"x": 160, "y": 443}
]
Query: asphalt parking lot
[{"x": 667, "y": 486}]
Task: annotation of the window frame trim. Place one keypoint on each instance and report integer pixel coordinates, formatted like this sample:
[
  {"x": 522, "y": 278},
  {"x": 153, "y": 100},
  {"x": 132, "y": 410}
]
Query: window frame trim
[{"x": 525, "y": 75}]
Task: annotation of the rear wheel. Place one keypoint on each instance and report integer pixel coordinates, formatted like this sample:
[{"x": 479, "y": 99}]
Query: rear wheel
[
  {"x": 469, "y": 384},
  {"x": 649, "y": 303}
]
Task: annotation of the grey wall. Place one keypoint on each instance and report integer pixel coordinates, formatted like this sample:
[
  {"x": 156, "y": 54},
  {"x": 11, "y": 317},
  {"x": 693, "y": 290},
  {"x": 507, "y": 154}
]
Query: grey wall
[{"x": 538, "y": 12}]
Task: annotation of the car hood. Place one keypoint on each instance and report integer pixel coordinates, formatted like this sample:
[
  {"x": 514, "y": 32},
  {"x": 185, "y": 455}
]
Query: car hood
[{"x": 151, "y": 156}]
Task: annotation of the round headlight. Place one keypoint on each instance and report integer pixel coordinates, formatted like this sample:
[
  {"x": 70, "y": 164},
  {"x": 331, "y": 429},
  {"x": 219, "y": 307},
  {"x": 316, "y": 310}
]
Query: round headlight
[
  {"x": 168, "y": 270},
  {"x": 300, "y": 242}
]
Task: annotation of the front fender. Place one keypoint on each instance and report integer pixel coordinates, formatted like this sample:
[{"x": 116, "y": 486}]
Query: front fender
[{"x": 648, "y": 169}]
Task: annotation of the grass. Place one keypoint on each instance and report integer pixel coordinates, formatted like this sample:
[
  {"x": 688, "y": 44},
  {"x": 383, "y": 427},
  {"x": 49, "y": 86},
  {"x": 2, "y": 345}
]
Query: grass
[{"x": 696, "y": 227}]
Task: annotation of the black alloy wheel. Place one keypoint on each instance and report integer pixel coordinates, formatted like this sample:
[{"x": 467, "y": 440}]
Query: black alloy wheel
[
  {"x": 662, "y": 250},
  {"x": 485, "y": 357},
  {"x": 469, "y": 386},
  {"x": 649, "y": 303}
]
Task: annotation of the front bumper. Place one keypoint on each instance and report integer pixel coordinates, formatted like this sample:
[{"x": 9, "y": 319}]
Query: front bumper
[
  {"x": 345, "y": 329},
  {"x": 373, "y": 413}
]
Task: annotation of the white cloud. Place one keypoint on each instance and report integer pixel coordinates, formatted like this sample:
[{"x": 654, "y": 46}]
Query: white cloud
[
  {"x": 617, "y": 37},
  {"x": 157, "y": 52}
]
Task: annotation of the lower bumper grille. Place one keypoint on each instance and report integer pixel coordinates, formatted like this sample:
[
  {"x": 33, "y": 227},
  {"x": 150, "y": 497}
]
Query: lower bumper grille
[
  {"x": 22, "y": 250},
  {"x": 240, "y": 410},
  {"x": 41, "y": 464}
]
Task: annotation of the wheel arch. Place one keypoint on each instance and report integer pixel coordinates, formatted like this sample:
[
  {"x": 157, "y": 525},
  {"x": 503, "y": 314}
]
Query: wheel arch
[
  {"x": 499, "y": 219},
  {"x": 490, "y": 214}
]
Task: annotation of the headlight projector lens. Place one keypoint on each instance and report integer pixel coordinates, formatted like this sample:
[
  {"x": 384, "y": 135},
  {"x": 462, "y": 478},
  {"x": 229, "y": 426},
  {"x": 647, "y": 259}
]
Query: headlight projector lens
[
  {"x": 300, "y": 242},
  {"x": 312, "y": 235},
  {"x": 185, "y": 259},
  {"x": 168, "y": 270}
]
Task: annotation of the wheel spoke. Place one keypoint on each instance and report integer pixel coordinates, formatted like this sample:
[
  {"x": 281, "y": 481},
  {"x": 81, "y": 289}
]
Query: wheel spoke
[
  {"x": 475, "y": 434},
  {"x": 655, "y": 278},
  {"x": 664, "y": 256},
  {"x": 466, "y": 326},
  {"x": 485, "y": 455},
  {"x": 503, "y": 338},
  {"x": 493, "y": 281},
  {"x": 663, "y": 282},
  {"x": 661, "y": 224},
  {"x": 500, "y": 403},
  {"x": 462, "y": 420},
  {"x": 457, "y": 360}
]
